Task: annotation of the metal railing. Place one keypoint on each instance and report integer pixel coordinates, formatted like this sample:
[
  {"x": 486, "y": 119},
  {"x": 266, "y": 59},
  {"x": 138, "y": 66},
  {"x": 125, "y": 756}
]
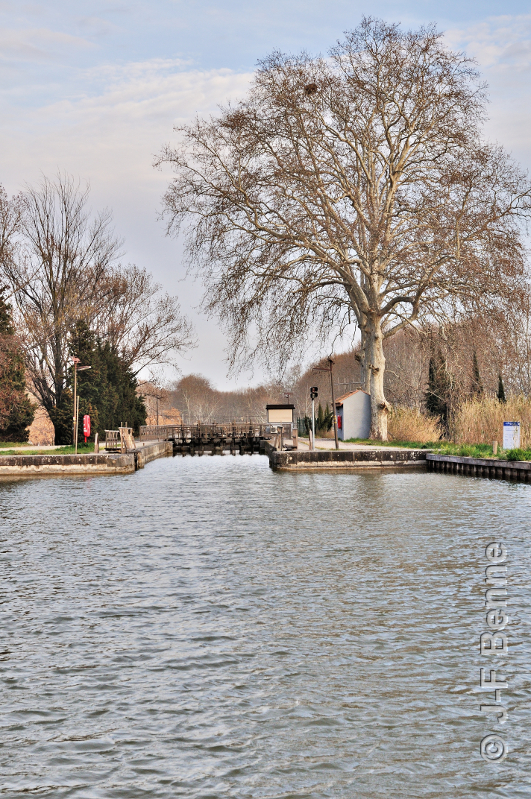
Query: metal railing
[
  {"x": 217, "y": 434},
  {"x": 187, "y": 432}
]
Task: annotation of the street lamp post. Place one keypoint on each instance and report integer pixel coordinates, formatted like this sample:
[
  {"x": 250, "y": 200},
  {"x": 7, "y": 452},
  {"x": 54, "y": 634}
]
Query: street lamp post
[
  {"x": 76, "y": 399},
  {"x": 331, "y": 362},
  {"x": 331, "y": 373}
]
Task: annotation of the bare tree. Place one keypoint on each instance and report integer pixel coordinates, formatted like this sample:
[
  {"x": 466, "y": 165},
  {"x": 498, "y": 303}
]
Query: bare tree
[
  {"x": 60, "y": 262},
  {"x": 55, "y": 270},
  {"x": 144, "y": 325},
  {"x": 197, "y": 399},
  {"x": 350, "y": 189},
  {"x": 10, "y": 219}
]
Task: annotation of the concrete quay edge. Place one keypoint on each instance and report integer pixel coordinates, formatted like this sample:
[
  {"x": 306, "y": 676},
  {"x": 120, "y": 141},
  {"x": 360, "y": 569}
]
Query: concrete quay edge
[
  {"x": 82, "y": 464},
  {"x": 466, "y": 460},
  {"x": 480, "y": 467},
  {"x": 298, "y": 460}
]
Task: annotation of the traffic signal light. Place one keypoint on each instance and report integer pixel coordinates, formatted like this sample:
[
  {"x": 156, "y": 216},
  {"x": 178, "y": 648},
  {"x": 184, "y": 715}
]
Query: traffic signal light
[{"x": 314, "y": 392}]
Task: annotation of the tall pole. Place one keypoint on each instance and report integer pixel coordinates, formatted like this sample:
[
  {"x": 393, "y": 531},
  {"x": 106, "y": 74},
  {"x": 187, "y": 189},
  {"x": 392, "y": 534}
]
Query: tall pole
[
  {"x": 77, "y": 421},
  {"x": 313, "y": 423},
  {"x": 331, "y": 362},
  {"x": 75, "y": 404},
  {"x": 76, "y": 399}
]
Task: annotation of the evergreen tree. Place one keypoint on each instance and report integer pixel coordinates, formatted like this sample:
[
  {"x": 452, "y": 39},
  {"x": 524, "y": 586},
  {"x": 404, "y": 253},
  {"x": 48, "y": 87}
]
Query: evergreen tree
[
  {"x": 501, "y": 390},
  {"x": 319, "y": 419},
  {"x": 324, "y": 420},
  {"x": 477, "y": 384},
  {"x": 438, "y": 393},
  {"x": 107, "y": 391},
  {"x": 16, "y": 409}
]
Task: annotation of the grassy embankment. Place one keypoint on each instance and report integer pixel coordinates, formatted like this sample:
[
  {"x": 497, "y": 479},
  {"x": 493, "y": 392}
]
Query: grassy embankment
[
  {"x": 474, "y": 425},
  {"x": 7, "y": 448},
  {"x": 447, "y": 448}
]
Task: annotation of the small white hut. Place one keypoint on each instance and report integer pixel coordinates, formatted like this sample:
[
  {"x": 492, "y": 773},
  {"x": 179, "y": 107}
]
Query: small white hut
[{"x": 353, "y": 415}]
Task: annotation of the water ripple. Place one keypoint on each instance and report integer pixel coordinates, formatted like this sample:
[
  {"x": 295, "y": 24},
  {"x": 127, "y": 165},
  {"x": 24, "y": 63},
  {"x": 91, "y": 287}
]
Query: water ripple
[{"x": 206, "y": 628}]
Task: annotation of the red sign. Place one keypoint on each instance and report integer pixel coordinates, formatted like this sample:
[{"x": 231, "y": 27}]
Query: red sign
[{"x": 86, "y": 426}]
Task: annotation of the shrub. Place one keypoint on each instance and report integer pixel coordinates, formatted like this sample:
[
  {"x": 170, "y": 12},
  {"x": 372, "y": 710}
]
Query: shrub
[
  {"x": 517, "y": 455},
  {"x": 408, "y": 424}
]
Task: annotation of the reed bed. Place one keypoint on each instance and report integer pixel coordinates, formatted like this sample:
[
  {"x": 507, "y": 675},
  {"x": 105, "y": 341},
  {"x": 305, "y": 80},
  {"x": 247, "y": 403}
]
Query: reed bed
[
  {"x": 408, "y": 424},
  {"x": 481, "y": 421}
]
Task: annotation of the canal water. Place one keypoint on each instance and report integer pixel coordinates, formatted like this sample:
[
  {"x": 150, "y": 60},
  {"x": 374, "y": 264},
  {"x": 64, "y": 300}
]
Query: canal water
[{"x": 207, "y": 628}]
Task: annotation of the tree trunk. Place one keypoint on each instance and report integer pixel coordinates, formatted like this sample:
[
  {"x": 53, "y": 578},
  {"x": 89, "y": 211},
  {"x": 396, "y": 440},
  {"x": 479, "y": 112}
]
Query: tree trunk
[
  {"x": 365, "y": 361},
  {"x": 375, "y": 360}
]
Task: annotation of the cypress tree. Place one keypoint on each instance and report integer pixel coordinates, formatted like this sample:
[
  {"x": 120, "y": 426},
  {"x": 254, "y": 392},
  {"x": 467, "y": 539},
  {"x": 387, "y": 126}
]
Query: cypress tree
[
  {"x": 431, "y": 398},
  {"x": 437, "y": 396},
  {"x": 16, "y": 409},
  {"x": 324, "y": 419},
  {"x": 501, "y": 390},
  {"x": 477, "y": 385},
  {"x": 320, "y": 418}
]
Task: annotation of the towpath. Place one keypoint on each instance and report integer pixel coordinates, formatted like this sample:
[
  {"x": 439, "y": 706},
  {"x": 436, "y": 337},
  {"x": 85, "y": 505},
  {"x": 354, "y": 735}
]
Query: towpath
[{"x": 329, "y": 443}]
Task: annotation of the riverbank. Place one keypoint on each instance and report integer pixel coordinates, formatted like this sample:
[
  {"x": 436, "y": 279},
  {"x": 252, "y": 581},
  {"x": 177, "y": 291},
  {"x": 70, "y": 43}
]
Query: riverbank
[
  {"x": 448, "y": 448},
  {"x": 358, "y": 455},
  {"x": 48, "y": 464}
]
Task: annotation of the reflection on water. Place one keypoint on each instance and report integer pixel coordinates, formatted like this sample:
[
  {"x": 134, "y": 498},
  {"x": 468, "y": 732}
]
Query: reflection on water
[{"x": 208, "y": 628}]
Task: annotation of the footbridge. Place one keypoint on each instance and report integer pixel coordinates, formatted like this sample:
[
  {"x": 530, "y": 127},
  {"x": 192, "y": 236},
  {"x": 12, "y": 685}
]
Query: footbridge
[{"x": 218, "y": 438}]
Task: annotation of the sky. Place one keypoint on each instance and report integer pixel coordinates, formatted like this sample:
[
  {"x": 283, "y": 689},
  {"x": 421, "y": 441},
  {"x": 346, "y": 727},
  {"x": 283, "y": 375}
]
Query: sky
[{"x": 95, "y": 88}]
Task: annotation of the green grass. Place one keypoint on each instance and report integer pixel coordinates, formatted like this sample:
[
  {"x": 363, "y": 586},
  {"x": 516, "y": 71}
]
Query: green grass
[
  {"x": 82, "y": 449},
  {"x": 13, "y": 444}
]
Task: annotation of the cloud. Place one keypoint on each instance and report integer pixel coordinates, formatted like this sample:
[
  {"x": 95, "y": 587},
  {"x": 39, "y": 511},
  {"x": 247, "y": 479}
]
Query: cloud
[
  {"x": 128, "y": 119},
  {"x": 96, "y": 26},
  {"x": 38, "y": 44},
  {"x": 502, "y": 47},
  {"x": 109, "y": 134},
  {"x": 123, "y": 107},
  {"x": 501, "y": 44}
]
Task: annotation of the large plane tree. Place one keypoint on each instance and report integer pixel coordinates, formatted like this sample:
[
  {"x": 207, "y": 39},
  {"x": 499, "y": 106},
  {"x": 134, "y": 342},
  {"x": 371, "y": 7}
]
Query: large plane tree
[{"x": 352, "y": 188}]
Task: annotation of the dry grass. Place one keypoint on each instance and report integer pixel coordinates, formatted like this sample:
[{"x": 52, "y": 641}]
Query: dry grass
[
  {"x": 481, "y": 421},
  {"x": 408, "y": 424}
]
